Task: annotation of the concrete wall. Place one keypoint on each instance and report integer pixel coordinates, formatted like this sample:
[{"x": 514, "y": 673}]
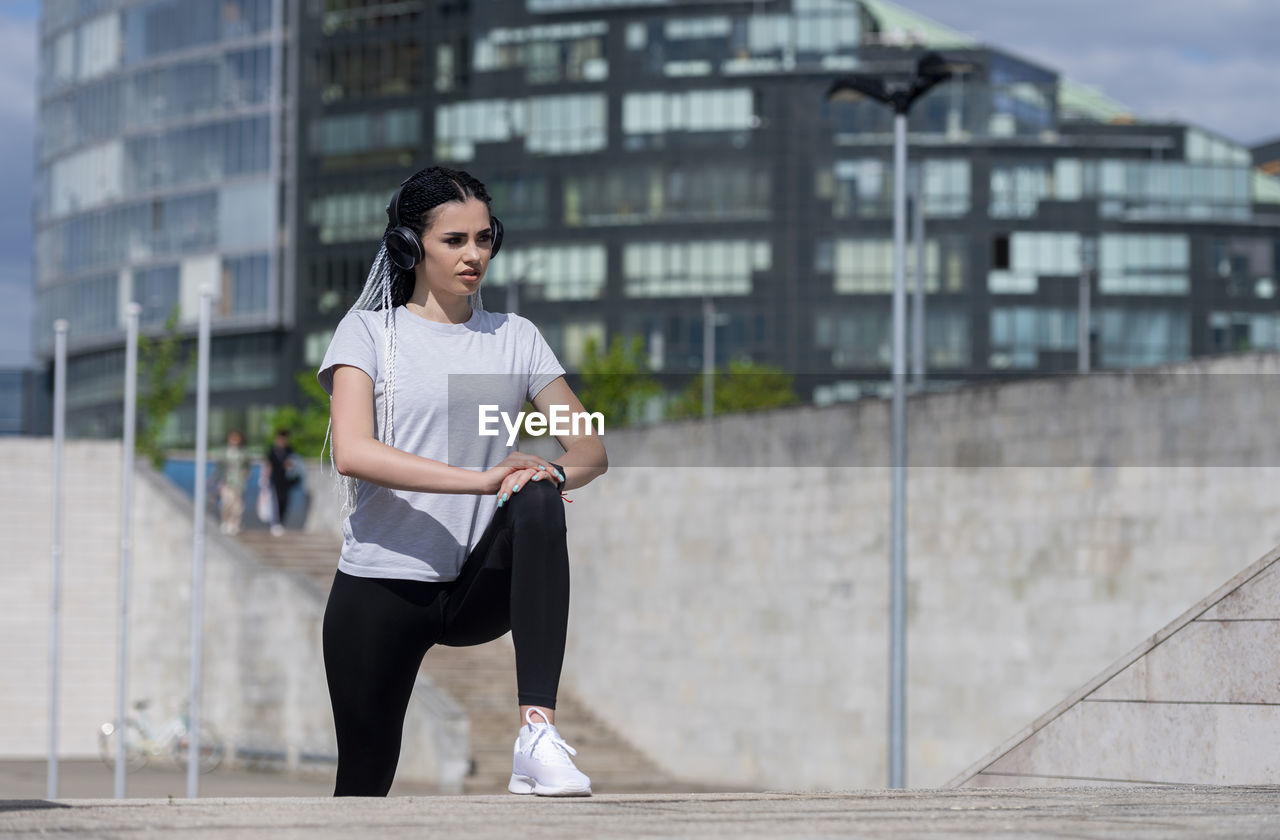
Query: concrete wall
[
  {"x": 730, "y": 580},
  {"x": 264, "y": 683}
]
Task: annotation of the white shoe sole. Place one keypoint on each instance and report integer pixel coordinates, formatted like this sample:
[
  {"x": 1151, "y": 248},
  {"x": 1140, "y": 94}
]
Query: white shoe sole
[{"x": 528, "y": 784}]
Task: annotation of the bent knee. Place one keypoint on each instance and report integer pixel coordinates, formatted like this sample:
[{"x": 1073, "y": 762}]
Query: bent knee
[{"x": 538, "y": 500}]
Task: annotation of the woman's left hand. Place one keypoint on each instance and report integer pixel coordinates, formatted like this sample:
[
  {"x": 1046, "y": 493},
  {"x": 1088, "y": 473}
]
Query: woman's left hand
[{"x": 519, "y": 478}]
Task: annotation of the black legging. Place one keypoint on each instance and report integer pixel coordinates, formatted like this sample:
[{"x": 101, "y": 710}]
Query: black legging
[{"x": 377, "y": 630}]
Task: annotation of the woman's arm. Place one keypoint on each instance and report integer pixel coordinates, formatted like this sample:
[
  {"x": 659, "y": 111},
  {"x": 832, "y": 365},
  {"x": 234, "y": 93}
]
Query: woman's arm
[
  {"x": 357, "y": 453},
  {"x": 584, "y": 457}
]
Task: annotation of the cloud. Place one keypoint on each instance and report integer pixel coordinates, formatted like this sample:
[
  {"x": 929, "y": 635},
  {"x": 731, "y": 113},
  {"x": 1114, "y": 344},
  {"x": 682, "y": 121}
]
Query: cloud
[{"x": 1214, "y": 64}]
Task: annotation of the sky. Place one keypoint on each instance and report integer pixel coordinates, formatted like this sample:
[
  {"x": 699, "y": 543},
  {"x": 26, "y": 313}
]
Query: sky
[{"x": 1215, "y": 63}]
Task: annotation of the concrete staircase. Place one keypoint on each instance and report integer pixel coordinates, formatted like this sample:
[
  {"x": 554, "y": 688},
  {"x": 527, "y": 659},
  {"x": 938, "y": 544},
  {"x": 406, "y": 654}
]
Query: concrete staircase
[{"x": 483, "y": 680}]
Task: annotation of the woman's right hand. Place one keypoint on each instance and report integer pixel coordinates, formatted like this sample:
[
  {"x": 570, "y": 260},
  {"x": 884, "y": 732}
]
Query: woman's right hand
[{"x": 494, "y": 476}]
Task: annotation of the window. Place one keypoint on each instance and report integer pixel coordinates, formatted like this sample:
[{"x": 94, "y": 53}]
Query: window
[
  {"x": 1030, "y": 256},
  {"x": 1144, "y": 264},
  {"x": 156, "y": 291},
  {"x": 552, "y": 272},
  {"x": 1137, "y": 337},
  {"x": 683, "y": 269},
  {"x": 864, "y": 188},
  {"x": 245, "y": 288},
  {"x": 1019, "y": 334},
  {"x": 865, "y": 266},
  {"x": 730, "y": 109},
  {"x": 671, "y": 193},
  {"x": 350, "y": 134},
  {"x": 349, "y": 217}
]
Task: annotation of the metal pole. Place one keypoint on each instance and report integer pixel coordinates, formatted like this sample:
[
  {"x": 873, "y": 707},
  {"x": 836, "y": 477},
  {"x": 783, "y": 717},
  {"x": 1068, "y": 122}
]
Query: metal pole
[
  {"x": 197, "y": 556},
  {"x": 708, "y": 357},
  {"x": 60, "y": 328},
  {"x": 1082, "y": 327},
  {"x": 132, "y": 313},
  {"x": 917, "y": 309},
  {"x": 898, "y": 571}
]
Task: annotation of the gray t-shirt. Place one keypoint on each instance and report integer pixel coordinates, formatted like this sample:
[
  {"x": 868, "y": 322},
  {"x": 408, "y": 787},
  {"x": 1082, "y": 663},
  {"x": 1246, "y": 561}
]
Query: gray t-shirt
[{"x": 443, "y": 374}]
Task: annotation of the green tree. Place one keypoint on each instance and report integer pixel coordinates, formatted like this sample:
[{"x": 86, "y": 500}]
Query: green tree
[
  {"x": 164, "y": 369},
  {"x": 307, "y": 423},
  {"x": 617, "y": 383},
  {"x": 746, "y": 386}
]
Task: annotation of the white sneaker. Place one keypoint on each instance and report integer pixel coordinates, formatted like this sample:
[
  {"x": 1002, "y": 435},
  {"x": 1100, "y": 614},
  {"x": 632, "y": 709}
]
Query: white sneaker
[
  {"x": 277, "y": 530},
  {"x": 541, "y": 762}
]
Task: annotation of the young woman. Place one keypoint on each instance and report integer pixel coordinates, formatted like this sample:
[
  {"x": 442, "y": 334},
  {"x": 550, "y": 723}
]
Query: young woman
[{"x": 454, "y": 537}]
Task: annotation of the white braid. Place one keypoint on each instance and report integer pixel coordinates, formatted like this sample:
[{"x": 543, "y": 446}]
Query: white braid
[{"x": 377, "y": 291}]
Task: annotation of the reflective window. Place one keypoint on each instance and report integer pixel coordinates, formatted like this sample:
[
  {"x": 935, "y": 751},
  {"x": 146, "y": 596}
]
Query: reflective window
[
  {"x": 95, "y": 378},
  {"x": 157, "y": 291},
  {"x": 129, "y": 233},
  {"x": 1134, "y": 189},
  {"x": 1144, "y": 264},
  {"x": 90, "y": 305},
  {"x": 363, "y": 70},
  {"x": 1138, "y": 337},
  {"x": 862, "y": 338},
  {"x": 352, "y": 134},
  {"x": 864, "y": 188},
  {"x": 244, "y": 285},
  {"x": 519, "y": 200},
  {"x": 569, "y": 124},
  {"x": 1245, "y": 266},
  {"x": 730, "y": 109},
  {"x": 673, "y": 192},
  {"x": 343, "y": 16},
  {"x": 680, "y": 269},
  {"x": 1032, "y": 255},
  {"x": 349, "y": 217},
  {"x": 552, "y": 272},
  {"x": 1019, "y": 334},
  {"x": 865, "y": 266},
  {"x": 197, "y": 88},
  {"x": 548, "y": 53},
  {"x": 199, "y": 154},
  {"x": 553, "y": 125},
  {"x": 1237, "y": 332}
]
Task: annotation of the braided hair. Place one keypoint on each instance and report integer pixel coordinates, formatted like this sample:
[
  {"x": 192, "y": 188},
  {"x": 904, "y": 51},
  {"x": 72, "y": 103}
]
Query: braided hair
[{"x": 388, "y": 286}]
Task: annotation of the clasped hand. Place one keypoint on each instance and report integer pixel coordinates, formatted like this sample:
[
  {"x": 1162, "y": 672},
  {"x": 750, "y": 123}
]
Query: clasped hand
[{"x": 517, "y": 470}]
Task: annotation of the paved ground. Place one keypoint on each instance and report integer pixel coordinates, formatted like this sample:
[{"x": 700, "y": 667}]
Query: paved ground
[
  {"x": 94, "y": 780},
  {"x": 1115, "y": 812}
]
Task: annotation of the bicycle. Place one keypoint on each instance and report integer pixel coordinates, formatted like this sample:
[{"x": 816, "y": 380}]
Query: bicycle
[{"x": 143, "y": 742}]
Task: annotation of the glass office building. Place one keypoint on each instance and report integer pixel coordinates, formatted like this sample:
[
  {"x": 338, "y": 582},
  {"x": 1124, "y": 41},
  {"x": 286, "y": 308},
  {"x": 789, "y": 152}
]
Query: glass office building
[
  {"x": 161, "y": 171},
  {"x": 645, "y": 156}
]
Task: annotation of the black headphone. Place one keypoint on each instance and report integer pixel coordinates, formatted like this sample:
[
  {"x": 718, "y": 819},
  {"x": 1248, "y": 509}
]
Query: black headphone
[{"x": 404, "y": 247}]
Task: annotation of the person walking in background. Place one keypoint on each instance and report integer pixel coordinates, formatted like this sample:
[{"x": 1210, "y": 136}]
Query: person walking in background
[
  {"x": 453, "y": 537},
  {"x": 233, "y": 475},
  {"x": 281, "y": 475}
]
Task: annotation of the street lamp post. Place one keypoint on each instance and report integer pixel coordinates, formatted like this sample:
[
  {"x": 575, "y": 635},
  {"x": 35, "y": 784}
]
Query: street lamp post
[{"x": 899, "y": 94}]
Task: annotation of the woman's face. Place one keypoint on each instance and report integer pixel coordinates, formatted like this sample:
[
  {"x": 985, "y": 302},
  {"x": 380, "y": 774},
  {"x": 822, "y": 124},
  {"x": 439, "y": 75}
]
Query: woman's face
[{"x": 456, "y": 248}]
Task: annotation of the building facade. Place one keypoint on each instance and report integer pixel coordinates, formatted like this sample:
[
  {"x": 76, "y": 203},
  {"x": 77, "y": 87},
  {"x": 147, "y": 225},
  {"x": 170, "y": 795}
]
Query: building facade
[
  {"x": 161, "y": 170},
  {"x": 648, "y": 157}
]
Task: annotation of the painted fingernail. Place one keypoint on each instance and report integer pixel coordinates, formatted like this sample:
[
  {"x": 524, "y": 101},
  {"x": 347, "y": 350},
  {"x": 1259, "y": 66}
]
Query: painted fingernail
[
  {"x": 504, "y": 497},
  {"x": 515, "y": 489},
  {"x": 560, "y": 474},
  {"x": 541, "y": 467}
]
